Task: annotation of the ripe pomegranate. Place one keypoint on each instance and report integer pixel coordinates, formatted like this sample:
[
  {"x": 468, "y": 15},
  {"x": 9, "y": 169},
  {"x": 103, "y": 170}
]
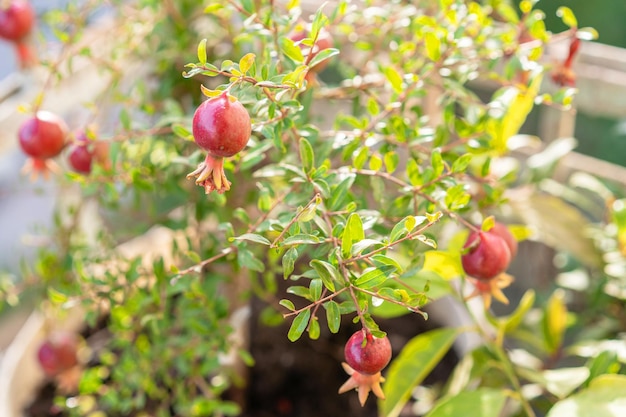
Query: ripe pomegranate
[
  {"x": 57, "y": 353},
  {"x": 488, "y": 255},
  {"x": 42, "y": 136},
  {"x": 80, "y": 157},
  {"x": 221, "y": 126},
  {"x": 16, "y": 19},
  {"x": 367, "y": 354},
  {"x": 504, "y": 232}
]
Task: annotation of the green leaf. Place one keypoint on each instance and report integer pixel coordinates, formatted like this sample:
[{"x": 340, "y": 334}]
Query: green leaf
[
  {"x": 289, "y": 260},
  {"x": 319, "y": 21},
  {"x": 376, "y": 163},
  {"x": 301, "y": 239},
  {"x": 287, "y": 304},
  {"x": 604, "y": 363},
  {"x": 299, "y": 324},
  {"x": 461, "y": 163},
  {"x": 483, "y": 402},
  {"x": 314, "y": 329},
  {"x": 568, "y": 17},
  {"x": 340, "y": 194},
  {"x": 323, "y": 55},
  {"x": 290, "y": 49},
  {"x": 182, "y": 132},
  {"x": 246, "y": 62},
  {"x": 437, "y": 162},
  {"x": 327, "y": 272},
  {"x": 306, "y": 155},
  {"x": 437, "y": 288},
  {"x": 433, "y": 46},
  {"x": 246, "y": 259},
  {"x": 315, "y": 288},
  {"x": 374, "y": 277},
  {"x": 604, "y": 398},
  {"x": 394, "y": 78},
  {"x": 353, "y": 232},
  {"x": 391, "y": 161},
  {"x": 418, "y": 357},
  {"x": 333, "y": 316},
  {"x": 555, "y": 321},
  {"x": 202, "y": 51},
  {"x": 512, "y": 321},
  {"x": 446, "y": 264},
  {"x": 252, "y": 237}
]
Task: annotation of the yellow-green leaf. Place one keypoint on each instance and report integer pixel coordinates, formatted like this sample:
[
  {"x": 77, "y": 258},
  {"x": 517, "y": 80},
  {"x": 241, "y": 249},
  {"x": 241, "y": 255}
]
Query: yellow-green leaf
[
  {"x": 418, "y": 357},
  {"x": 246, "y": 62}
]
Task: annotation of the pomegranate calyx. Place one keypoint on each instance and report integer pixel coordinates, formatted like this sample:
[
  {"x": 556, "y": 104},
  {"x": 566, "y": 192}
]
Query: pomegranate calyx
[
  {"x": 210, "y": 175},
  {"x": 363, "y": 384}
]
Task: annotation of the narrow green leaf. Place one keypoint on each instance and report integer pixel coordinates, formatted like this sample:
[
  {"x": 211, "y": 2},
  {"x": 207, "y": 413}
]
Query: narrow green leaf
[
  {"x": 314, "y": 329},
  {"x": 483, "y": 402},
  {"x": 289, "y": 260},
  {"x": 340, "y": 194},
  {"x": 418, "y": 357},
  {"x": 391, "y": 161},
  {"x": 290, "y": 49},
  {"x": 246, "y": 62},
  {"x": 319, "y": 21},
  {"x": 333, "y": 316},
  {"x": 437, "y": 162},
  {"x": 461, "y": 163},
  {"x": 246, "y": 259},
  {"x": 202, "y": 52},
  {"x": 353, "y": 232},
  {"x": 301, "y": 239},
  {"x": 252, "y": 237},
  {"x": 394, "y": 78},
  {"x": 315, "y": 288},
  {"x": 182, "y": 132},
  {"x": 306, "y": 155},
  {"x": 299, "y": 324},
  {"x": 376, "y": 163},
  {"x": 323, "y": 55},
  {"x": 287, "y": 304},
  {"x": 327, "y": 272},
  {"x": 433, "y": 46},
  {"x": 374, "y": 277},
  {"x": 513, "y": 321},
  {"x": 555, "y": 321}
]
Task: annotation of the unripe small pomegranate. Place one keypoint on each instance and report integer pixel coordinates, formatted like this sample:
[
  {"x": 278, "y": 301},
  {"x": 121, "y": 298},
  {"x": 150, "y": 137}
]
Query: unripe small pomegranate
[
  {"x": 488, "y": 255},
  {"x": 367, "y": 354},
  {"x": 82, "y": 153},
  {"x": 16, "y": 20},
  {"x": 58, "y": 353},
  {"x": 222, "y": 127}
]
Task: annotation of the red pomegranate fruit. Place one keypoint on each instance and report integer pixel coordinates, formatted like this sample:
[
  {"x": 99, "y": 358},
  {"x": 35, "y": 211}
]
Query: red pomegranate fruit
[
  {"x": 504, "y": 232},
  {"x": 367, "y": 354},
  {"x": 58, "y": 353},
  {"x": 16, "y": 20},
  {"x": 80, "y": 157},
  {"x": 221, "y": 126},
  {"x": 42, "y": 136},
  {"x": 487, "y": 255}
]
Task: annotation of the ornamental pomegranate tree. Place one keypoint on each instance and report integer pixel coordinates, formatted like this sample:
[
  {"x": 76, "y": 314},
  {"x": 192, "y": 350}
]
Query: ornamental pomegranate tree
[{"x": 349, "y": 205}]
